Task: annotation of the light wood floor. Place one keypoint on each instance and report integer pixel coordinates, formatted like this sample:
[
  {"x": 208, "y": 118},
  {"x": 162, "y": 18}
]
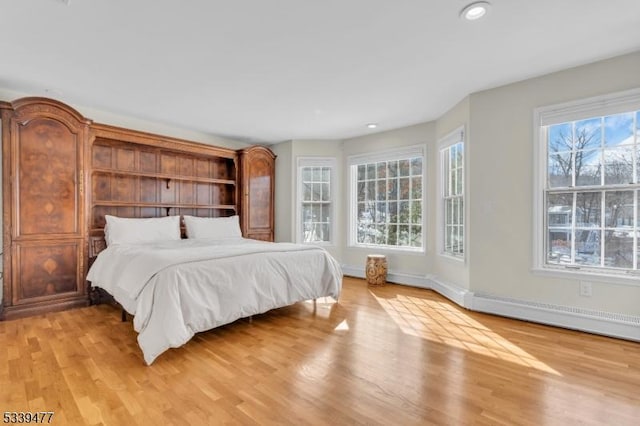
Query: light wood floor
[{"x": 392, "y": 356}]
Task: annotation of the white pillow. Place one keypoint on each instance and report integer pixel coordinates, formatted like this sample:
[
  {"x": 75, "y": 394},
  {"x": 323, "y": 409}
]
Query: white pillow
[
  {"x": 120, "y": 230},
  {"x": 217, "y": 228}
]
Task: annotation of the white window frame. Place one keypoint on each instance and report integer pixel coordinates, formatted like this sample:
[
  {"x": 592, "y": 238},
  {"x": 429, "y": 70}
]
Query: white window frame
[
  {"x": 609, "y": 104},
  {"x": 301, "y": 163},
  {"x": 453, "y": 138},
  {"x": 386, "y": 155}
]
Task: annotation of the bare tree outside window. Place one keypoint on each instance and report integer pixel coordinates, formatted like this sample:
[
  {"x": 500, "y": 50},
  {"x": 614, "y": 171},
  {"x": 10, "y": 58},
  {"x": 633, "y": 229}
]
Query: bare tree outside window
[{"x": 592, "y": 198}]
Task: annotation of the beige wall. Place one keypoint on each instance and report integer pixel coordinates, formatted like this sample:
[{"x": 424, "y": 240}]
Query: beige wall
[
  {"x": 284, "y": 196},
  {"x": 501, "y": 178}
]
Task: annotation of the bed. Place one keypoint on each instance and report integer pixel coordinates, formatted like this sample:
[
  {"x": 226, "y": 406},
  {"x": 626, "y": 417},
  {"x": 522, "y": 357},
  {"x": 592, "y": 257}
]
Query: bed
[{"x": 177, "y": 287}]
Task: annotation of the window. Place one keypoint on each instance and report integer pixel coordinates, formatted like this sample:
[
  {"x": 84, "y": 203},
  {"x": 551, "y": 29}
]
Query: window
[
  {"x": 452, "y": 178},
  {"x": 591, "y": 185},
  {"x": 315, "y": 200},
  {"x": 387, "y": 199}
]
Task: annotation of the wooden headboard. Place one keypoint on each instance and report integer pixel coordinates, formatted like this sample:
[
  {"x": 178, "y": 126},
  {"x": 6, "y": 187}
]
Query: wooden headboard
[{"x": 139, "y": 175}]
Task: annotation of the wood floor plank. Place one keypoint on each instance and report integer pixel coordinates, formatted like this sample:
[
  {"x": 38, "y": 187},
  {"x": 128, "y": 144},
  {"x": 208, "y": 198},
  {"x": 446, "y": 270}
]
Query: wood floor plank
[{"x": 388, "y": 355}]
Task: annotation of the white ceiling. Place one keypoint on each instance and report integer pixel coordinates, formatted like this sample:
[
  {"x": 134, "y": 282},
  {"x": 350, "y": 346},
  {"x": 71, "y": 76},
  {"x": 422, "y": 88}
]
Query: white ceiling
[{"x": 267, "y": 71}]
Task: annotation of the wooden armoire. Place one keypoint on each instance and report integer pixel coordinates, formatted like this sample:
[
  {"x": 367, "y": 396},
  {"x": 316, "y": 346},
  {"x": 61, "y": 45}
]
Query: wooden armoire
[
  {"x": 43, "y": 194},
  {"x": 257, "y": 173},
  {"x": 62, "y": 174}
]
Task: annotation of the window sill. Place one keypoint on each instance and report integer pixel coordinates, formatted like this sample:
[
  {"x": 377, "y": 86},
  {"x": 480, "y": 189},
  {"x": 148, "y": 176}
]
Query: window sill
[
  {"x": 318, "y": 243},
  {"x": 628, "y": 279},
  {"x": 385, "y": 249},
  {"x": 457, "y": 259}
]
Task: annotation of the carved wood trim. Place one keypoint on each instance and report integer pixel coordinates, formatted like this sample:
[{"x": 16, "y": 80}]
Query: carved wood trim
[
  {"x": 150, "y": 139},
  {"x": 96, "y": 245}
]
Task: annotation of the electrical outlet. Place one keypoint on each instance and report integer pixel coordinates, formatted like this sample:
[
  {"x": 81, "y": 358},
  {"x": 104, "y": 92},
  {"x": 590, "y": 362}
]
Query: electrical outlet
[{"x": 585, "y": 289}]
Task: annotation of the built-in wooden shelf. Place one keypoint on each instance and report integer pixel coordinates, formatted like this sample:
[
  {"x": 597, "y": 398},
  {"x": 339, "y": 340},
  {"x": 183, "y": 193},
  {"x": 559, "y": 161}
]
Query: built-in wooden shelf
[
  {"x": 166, "y": 176},
  {"x": 163, "y": 205}
]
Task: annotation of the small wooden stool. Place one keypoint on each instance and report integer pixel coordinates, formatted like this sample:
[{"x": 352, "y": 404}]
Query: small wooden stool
[{"x": 376, "y": 269}]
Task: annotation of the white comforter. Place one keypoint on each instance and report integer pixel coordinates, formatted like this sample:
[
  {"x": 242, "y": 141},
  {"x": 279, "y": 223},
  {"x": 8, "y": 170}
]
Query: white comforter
[{"x": 178, "y": 288}]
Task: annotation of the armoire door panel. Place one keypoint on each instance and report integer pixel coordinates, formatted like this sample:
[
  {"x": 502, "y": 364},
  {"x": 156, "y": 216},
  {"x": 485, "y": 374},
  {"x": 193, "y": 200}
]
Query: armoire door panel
[
  {"x": 46, "y": 271},
  {"x": 48, "y": 153},
  {"x": 257, "y": 166}
]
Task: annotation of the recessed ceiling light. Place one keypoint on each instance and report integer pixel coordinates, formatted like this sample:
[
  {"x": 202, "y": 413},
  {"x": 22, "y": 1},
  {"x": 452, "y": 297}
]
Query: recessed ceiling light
[
  {"x": 475, "y": 10},
  {"x": 372, "y": 126}
]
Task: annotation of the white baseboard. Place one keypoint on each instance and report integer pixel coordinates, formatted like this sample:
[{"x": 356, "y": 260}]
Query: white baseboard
[{"x": 592, "y": 321}]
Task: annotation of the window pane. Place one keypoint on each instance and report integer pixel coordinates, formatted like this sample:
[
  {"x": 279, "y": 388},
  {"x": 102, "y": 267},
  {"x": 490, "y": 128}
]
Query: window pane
[
  {"x": 446, "y": 173},
  {"x": 416, "y": 212},
  {"x": 382, "y": 169},
  {"x": 589, "y": 133},
  {"x": 560, "y": 170},
  {"x": 404, "y": 212},
  {"x": 403, "y": 235},
  {"x": 392, "y": 168},
  {"x": 559, "y": 245},
  {"x": 405, "y": 167},
  {"x": 362, "y": 191},
  {"x": 371, "y": 171},
  {"x": 404, "y": 188},
  {"x": 326, "y": 174},
  {"x": 317, "y": 174},
  {"x": 362, "y": 215},
  {"x": 307, "y": 214},
  {"x": 392, "y": 189},
  {"x": 416, "y": 188},
  {"x": 416, "y": 236},
  {"x": 306, "y": 192},
  {"x": 392, "y": 235},
  {"x": 559, "y": 210},
  {"x": 588, "y": 246},
  {"x": 588, "y": 209},
  {"x": 326, "y": 213},
  {"x": 459, "y": 182},
  {"x": 362, "y": 171},
  {"x": 416, "y": 166},
  {"x": 618, "y": 249},
  {"x": 306, "y": 174},
  {"x": 371, "y": 190},
  {"x": 382, "y": 189},
  {"x": 618, "y": 129},
  {"x": 326, "y": 192},
  {"x": 317, "y": 188},
  {"x": 618, "y": 209},
  {"x": 326, "y": 235},
  {"x": 560, "y": 138},
  {"x": 637, "y": 179},
  {"x": 381, "y": 234},
  {"x": 588, "y": 168},
  {"x": 381, "y": 213},
  {"x": 393, "y": 212},
  {"x": 618, "y": 165}
]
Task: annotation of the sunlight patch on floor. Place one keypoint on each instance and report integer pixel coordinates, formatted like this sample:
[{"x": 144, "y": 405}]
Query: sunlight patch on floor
[
  {"x": 343, "y": 326},
  {"x": 441, "y": 322}
]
